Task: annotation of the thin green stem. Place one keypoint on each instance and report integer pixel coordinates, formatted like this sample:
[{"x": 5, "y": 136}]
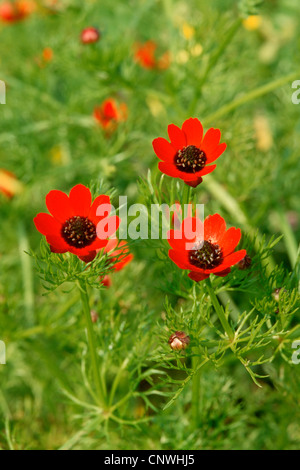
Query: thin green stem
[
  {"x": 225, "y": 298},
  {"x": 219, "y": 310},
  {"x": 117, "y": 380},
  {"x": 91, "y": 340},
  {"x": 185, "y": 199},
  {"x": 196, "y": 392},
  {"x": 251, "y": 95},
  {"x": 26, "y": 274},
  {"x": 289, "y": 238}
]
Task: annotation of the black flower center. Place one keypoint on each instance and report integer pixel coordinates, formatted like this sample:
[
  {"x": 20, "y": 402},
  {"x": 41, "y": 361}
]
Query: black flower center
[
  {"x": 206, "y": 255},
  {"x": 79, "y": 231},
  {"x": 190, "y": 159}
]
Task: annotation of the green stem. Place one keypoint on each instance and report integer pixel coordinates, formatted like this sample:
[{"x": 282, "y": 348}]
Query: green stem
[
  {"x": 196, "y": 393},
  {"x": 289, "y": 238},
  {"x": 26, "y": 274},
  {"x": 219, "y": 310},
  {"x": 91, "y": 340},
  {"x": 185, "y": 199},
  {"x": 251, "y": 95}
]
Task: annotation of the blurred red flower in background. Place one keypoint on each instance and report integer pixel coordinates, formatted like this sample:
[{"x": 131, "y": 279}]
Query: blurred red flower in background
[
  {"x": 119, "y": 257},
  {"x": 45, "y": 58},
  {"x": 72, "y": 225},
  {"x": 9, "y": 184},
  {"x": 145, "y": 56},
  {"x": 11, "y": 12},
  {"x": 90, "y": 35},
  {"x": 189, "y": 154},
  {"x": 110, "y": 113},
  {"x": 210, "y": 250}
]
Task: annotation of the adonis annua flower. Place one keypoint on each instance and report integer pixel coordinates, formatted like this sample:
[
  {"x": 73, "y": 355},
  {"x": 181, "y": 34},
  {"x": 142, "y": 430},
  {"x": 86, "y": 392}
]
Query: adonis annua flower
[
  {"x": 73, "y": 223},
  {"x": 205, "y": 249},
  {"x": 189, "y": 154}
]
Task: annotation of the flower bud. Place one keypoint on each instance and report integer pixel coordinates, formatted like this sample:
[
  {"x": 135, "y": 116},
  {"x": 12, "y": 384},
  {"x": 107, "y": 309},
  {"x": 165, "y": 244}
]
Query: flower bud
[
  {"x": 245, "y": 263},
  {"x": 94, "y": 316},
  {"x": 276, "y": 293},
  {"x": 90, "y": 35},
  {"x": 179, "y": 340}
]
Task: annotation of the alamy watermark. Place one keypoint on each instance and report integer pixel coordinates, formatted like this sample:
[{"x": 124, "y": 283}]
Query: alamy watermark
[
  {"x": 140, "y": 222},
  {"x": 296, "y": 354},
  {"x": 296, "y": 94},
  {"x": 2, "y": 353},
  {"x": 2, "y": 92}
]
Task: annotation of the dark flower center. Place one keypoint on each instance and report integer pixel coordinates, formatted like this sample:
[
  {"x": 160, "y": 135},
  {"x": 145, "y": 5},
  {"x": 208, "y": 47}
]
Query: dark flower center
[
  {"x": 190, "y": 159},
  {"x": 79, "y": 231},
  {"x": 206, "y": 255}
]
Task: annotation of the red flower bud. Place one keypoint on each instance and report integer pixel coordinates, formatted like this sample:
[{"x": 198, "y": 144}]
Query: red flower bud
[
  {"x": 179, "y": 340},
  {"x": 90, "y": 35}
]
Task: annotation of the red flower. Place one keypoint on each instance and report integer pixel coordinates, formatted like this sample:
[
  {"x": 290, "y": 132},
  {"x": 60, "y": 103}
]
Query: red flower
[
  {"x": 90, "y": 35},
  {"x": 206, "y": 248},
  {"x": 189, "y": 154},
  {"x": 118, "y": 253},
  {"x": 145, "y": 56},
  {"x": 73, "y": 226},
  {"x": 11, "y": 12},
  {"x": 110, "y": 113}
]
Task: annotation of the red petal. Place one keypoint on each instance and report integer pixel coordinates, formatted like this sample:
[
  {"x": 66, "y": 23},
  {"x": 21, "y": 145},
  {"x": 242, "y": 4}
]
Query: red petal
[
  {"x": 102, "y": 199},
  {"x": 57, "y": 244},
  {"x": 206, "y": 170},
  {"x": 176, "y": 240},
  {"x": 107, "y": 227},
  {"x": 88, "y": 258},
  {"x": 124, "y": 261},
  {"x": 194, "y": 131},
  {"x": 46, "y": 224},
  {"x": 211, "y": 157},
  {"x": 231, "y": 260},
  {"x": 223, "y": 273},
  {"x": 59, "y": 205},
  {"x": 180, "y": 259},
  {"x": 230, "y": 240},
  {"x": 211, "y": 140},
  {"x": 169, "y": 169},
  {"x": 177, "y": 137},
  {"x": 214, "y": 228},
  {"x": 81, "y": 199},
  {"x": 197, "y": 276},
  {"x": 111, "y": 245},
  {"x": 195, "y": 183},
  {"x": 163, "y": 149},
  {"x": 193, "y": 230}
]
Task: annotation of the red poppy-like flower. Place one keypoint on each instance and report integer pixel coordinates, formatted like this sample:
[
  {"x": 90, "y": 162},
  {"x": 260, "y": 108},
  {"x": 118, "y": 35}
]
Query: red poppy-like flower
[
  {"x": 119, "y": 257},
  {"x": 11, "y": 12},
  {"x": 9, "y": 184},
  {"x": 145, "y": 56},
  {"x": 205, "y": 249},
  {"x": 90, "y": 35},
  {"x": 110, "y": 113},
  {"x": 189, "y": 154},
  {"x": 76, "y": 224}
]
